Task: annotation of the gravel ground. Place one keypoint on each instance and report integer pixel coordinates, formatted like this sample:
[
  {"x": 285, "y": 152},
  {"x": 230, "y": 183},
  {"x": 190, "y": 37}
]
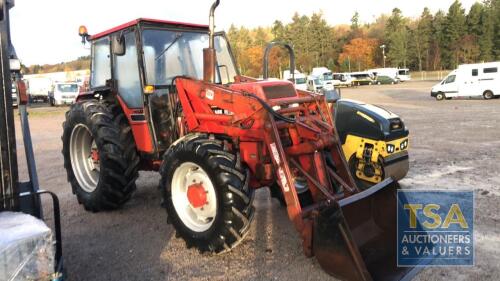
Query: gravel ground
[{"x": 454, "y": 145}]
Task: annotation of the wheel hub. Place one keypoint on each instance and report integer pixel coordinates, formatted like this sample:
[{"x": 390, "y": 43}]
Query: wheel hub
[
  {"x": 197, "y": 195},
  {"x": 84, "y": 158},
  {"x": 194, "y": 197}
]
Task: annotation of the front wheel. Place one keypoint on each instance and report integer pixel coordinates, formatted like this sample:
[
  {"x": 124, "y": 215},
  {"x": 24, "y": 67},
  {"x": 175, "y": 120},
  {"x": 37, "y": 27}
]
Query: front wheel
[
  {"x": 440, "y": 96},
  {"x": 206, "y": 193}
]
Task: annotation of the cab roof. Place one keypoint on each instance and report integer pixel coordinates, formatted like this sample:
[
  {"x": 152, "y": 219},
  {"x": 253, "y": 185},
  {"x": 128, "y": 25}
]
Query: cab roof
[{"x": 146, "y": 20}]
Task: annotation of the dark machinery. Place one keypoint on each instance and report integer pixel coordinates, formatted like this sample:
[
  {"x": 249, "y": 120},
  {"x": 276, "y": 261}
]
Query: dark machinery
[{"x": 374, "y": 140}]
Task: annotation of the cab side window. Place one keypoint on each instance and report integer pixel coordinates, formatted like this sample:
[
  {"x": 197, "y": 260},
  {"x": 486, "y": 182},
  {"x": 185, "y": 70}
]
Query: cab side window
[
  {"x": 490, "y": 70},
  {"x": 101, "y": 63},
  {"x": 450, "y": 79},
  {"x": 475, "y": 72},
  {"x": 126, "y": 72}
]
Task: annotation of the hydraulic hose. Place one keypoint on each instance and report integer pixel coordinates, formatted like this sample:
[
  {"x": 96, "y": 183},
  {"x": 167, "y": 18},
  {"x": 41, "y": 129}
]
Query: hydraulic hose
[{"x": 270, "y": 109}]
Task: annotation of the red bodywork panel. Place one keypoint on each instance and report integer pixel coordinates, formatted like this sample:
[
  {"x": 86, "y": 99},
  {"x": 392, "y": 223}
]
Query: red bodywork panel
[
  {"x": 145, "y": 20},
  {"x": 140, "y": 128}
]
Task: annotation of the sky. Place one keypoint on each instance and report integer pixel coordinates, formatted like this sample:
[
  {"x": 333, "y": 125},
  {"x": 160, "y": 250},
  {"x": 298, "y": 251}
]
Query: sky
[{"x": 46, "y": 32}]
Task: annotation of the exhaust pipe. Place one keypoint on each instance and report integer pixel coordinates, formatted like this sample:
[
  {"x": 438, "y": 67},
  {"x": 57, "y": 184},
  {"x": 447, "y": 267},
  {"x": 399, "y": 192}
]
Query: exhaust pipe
[{"x": 209, "y": 53}]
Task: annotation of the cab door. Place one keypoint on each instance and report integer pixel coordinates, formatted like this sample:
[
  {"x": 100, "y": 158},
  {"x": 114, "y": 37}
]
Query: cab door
[
  {"x": 449, "y": 86},
  {"x": 126, "y": 74}
]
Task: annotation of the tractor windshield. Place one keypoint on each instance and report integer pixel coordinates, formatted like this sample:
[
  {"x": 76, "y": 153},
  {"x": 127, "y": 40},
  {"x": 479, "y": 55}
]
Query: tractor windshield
[{"x": 168, "y": 54}]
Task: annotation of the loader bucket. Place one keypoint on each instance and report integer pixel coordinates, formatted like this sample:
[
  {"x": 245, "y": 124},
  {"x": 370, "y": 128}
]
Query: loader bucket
[{"x": 356, "y": 238}]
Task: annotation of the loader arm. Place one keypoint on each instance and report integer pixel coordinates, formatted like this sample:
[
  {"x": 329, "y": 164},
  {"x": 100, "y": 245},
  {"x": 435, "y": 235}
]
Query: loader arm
[{"x": 287, "y": 136}]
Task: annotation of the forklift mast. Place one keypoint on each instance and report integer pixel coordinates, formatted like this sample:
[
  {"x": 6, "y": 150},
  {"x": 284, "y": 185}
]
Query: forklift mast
[{"x": 9, "y": 186}]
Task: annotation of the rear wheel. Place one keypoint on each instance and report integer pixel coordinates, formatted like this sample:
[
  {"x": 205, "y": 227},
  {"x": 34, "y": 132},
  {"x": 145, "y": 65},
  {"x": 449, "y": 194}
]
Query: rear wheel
[
  {"x": 100, "y": 157},
  {"x": 206, "y": 193},
  {"x": 440, "y": 96},
  {"x": 488, "y": 95}
]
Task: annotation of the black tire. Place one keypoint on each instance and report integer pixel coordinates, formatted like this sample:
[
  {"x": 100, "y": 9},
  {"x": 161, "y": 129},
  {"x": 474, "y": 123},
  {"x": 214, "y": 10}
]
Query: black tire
[
  {"x": 488, "y": 95},
  {"x": 440, "y": 96},
  {"x": 235, "y": 209},
  {"x": 119, "y": 159}
]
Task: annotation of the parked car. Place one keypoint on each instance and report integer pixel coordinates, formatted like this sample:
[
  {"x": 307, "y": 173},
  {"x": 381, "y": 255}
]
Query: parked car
[
  {"x": 64, "y": 93},
  {"x": 388, "y": 71},
  {"x": 362, "y": 78},
  {"x": 382, "y": 79}
]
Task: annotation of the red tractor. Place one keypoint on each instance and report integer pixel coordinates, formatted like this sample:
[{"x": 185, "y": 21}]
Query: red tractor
[{"x": 168, "y": 96}]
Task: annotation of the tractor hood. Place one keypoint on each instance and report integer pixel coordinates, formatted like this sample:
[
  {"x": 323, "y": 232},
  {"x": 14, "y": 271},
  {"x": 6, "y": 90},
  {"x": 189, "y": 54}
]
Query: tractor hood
[{"x": 268, "y": 89}]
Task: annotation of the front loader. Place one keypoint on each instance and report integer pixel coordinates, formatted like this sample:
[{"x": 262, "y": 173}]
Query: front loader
[{"x": 167, "y": 96}]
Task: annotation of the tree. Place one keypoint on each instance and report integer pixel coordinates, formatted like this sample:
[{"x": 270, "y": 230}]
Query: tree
[
  {"x": 495, "y": 10},
  {"x": 355, "y": 25},
  {"x": 359, "y": 53},
  {"x": 278, "y": 30},
  {"x": 421, "y": 39},
  {"x": 469, "y": 48},
  {"x": 262, "y": 37},
  {"x": 397, "y": 38},
  {"x": 321, "y": 48},
  {"x": 438, "y": 42},
  {"x": 486, "y": 33},
  {"x": 454, "y": 31},
  {"x": 473, "y": 19}
]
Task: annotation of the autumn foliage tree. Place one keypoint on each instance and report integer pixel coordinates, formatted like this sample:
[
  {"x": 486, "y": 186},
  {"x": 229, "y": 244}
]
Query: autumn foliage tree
[{"x": 359, "y": 53}]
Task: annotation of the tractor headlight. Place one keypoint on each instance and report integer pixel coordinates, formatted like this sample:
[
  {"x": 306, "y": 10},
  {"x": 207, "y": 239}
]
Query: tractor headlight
[
  {"x": 404, "y": 144},
  {"x": 390, "y": 148}
]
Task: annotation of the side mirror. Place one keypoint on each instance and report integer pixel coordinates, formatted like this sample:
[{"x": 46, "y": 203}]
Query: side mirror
[
  {"x": 118, "y": 45},
  {"x": 332, "y": 95}
]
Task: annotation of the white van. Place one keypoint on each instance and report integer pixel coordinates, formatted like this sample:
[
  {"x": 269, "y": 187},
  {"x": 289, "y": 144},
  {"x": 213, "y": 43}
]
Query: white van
[
  {"x": 325, "y": 75},
  {"x": 314, "y": 84},
  {"x": 404, "y": 75},
  {"x": 342, "y": 80},
  {"x": 64, "y": 93},
  {"x": 300, "y": 79},
  {"x": 470, "y": 80}
]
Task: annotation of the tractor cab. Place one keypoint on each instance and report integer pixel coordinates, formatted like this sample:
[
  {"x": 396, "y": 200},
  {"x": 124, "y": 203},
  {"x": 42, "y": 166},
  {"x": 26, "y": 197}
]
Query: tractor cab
[{"x": 139, "y": 62}]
